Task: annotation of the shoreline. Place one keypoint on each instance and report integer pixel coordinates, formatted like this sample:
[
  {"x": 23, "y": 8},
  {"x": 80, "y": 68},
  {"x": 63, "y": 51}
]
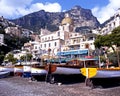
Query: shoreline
[{"x": 18, "y": 86}]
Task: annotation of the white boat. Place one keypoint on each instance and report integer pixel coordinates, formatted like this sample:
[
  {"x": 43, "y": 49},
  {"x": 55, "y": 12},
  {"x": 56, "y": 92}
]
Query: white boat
[
  {"x": 4, "y": 74},
  {"x": 7, "y": 68},
  {"x": 18, "y": 70},
  {"x": 101, "y": 72},
  {"x": 38, "y": 70},
  {"x": 26, "y": 71},
  {"x": 64, "y": 69}
]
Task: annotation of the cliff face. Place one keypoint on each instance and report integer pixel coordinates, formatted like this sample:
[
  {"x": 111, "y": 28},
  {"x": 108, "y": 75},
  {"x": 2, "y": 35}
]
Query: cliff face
[
  {"x": 5, "y": 23},
  {"x": 41, "y": 19},
  {"x": 83, "y": 17}
]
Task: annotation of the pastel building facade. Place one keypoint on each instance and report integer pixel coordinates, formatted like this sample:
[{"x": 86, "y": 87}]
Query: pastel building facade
[
  {"x": 111, "y": 23},
  {"x": 65, "y": 41}
]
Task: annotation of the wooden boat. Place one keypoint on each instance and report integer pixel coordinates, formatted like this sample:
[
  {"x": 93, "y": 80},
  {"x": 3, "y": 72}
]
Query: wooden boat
[
  {"x": 71, "y": 67},
  {"x": 101, "y": 72},
  {"x": 7, "y": 69},
  {"x": 38, "y": 70},
  {"x": 18, "y": 70},
  {"x": 4, "y": 74},
  {"x": 63, "y": 69},
  {"x": 27, "y": 71}
]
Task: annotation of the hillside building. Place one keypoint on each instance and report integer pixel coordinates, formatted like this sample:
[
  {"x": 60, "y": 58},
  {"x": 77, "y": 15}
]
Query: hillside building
[
  {"x": 111, "y": 23},
  {"x": 65, "y": 39},
  {"x": 64, "y": 42}
]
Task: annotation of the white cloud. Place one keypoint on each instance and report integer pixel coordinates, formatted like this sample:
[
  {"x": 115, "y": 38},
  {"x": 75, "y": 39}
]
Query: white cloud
[
  {"x": 49, "y": 7},
  {"x": 16, "y": 8},
  {"x": 104, "y": 13}
]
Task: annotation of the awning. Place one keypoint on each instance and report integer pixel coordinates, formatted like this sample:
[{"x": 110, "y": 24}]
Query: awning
[{"x": 73, "y": 52}]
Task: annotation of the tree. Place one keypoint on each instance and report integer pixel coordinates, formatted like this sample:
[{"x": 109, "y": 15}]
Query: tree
[
  {"x": 105, "y": 40},
  {"x": 115, "y": 36},
  {"x": 10, "y": 58},
  {"x": 109, "y": 40},
  {"x": 116, "y": 41},
  {"x": 98, "y": 41},
  {"x": 27, "y": 57}
]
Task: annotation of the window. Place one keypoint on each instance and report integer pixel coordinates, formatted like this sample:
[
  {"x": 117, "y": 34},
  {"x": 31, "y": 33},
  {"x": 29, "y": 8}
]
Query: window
[
  {"x": 58, "y": 33},
  {"x": 35, "y": 47},
  {"x": 42, "y": 39},
  {"x": 55, "y": 44},
  {"x": 52, "y": 37},
  {"x": 49, "y": 44},
  {"x": 48, "y": 38},
  {"x": 41, "y": 45},
  {"x": 44, "y": 45}
]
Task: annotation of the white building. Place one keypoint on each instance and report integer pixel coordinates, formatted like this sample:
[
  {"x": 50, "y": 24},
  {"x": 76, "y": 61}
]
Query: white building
[
  {"x": 33, "y": 47},
  {"x": 111, "y": 23},
  {"x": 65, "y": 38},
  {"x": 17, "y": 31}
]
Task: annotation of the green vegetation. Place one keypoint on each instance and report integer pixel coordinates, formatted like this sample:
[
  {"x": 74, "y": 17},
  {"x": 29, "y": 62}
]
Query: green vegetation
[
  {"x": 108, "y": 41},
  {"x": 12, "y": 42},
  {"x": 27, "y": 57},
  {"x": 10, "y": 58}
]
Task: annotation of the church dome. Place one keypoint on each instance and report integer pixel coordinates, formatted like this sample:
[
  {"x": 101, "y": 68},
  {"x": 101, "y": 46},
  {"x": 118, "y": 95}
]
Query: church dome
[{"x": 66, "y": 20}]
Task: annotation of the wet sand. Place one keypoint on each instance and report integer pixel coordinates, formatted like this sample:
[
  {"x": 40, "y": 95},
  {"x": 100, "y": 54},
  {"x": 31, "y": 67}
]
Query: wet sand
[{"x": 18, "y": 86}]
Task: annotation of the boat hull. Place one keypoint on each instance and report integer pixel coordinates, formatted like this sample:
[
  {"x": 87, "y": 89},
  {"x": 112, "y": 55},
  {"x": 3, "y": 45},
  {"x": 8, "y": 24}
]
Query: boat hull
[
  {"x": 108, "y": 73},
  {"x": 4, "y": 74},
  {"x": 26, "y": 71},
  {"x": 7, "y": 69},
  {"x": 63, "y": 69},
  {"x": 66, "y": 70},
  {"x": 18, "y": 70},
  {"x": 101, "y": 72},
  {"x": 38, "y": 71}
]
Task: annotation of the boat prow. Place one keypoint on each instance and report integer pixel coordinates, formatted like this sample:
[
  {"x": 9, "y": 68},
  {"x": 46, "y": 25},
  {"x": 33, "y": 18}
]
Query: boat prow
[
  {"x": 88, "y": 72},
  {"x": 101, "y": 72}
]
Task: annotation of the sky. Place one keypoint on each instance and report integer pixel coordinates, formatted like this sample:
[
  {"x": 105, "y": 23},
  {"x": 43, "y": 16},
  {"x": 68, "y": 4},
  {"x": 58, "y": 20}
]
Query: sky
[{"x": 102, "y": 9}]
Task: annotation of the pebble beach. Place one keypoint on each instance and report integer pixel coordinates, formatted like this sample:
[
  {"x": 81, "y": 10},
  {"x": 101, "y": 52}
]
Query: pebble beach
[{"x": 18, "y": 86}]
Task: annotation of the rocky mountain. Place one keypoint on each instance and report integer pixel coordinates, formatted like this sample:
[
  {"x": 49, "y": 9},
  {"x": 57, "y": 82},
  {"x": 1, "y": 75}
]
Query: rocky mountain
[
  {"x": 11, "y": 40},
  {"x": 5, "y": 23},
  {"x": 35, "y": 21}
]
